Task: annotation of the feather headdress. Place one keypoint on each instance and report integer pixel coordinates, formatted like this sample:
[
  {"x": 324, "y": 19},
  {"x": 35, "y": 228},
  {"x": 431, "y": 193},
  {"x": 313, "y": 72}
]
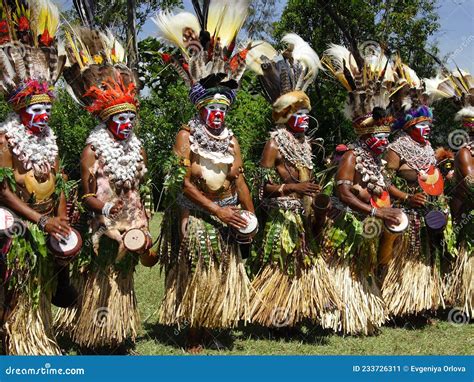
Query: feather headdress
[
  {"x": 368, "y": 77},
  {"x": 285, "y": 77},
  {"x": 206, "y": 60},
  {"x": 29, "y": 60},
  {"x": 457, "y": 85},
  {"x": 96, "y": 72},
  {"x": 412, "y": 98}
]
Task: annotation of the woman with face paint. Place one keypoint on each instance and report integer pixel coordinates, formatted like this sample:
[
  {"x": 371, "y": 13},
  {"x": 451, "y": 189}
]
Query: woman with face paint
[
  {"x": 292, "y": 282},
  {"x": 113, "y": 168},
  {"x": 206, "y": 283},
  {"x": 30, "y": 187},
  {"x": 361, "y": 204},
  {"x": 413, "y": 281}
]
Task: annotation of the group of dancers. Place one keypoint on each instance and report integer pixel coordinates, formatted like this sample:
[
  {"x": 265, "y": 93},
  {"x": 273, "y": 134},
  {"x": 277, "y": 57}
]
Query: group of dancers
[{"x": 385, "y": 230}]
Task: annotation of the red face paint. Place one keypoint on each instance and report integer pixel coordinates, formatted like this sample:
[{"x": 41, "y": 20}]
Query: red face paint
[
  {"x": 377, "y": 143},
  {"x": 420, "y": 132},
  {"x": 213, "y": 115},
  {"x": 36, "y": 117},
  {"x": 298, "y": 122},
  {"x": 121, "y": 125}
]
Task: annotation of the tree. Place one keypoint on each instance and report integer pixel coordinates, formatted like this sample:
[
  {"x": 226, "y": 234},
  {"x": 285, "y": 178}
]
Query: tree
[
  {"x": 259, "y": 23},
  {"x": 399, "y": 25}
]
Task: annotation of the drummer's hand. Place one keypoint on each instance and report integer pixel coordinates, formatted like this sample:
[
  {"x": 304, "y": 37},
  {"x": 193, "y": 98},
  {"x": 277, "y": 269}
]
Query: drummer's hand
[
  {"x": 231, "y": 216},
  {"x": 304, "y": 188},
  {"x": 117, "y": 207},
  {"x": 417, "y": 200},
  {"x": 58, "y": 227},
  {"x": 390, "y": 215}
]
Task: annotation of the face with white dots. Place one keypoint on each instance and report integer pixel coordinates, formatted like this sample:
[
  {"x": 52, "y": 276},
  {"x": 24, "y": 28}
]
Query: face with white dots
[{"x": 121, "y": 125}]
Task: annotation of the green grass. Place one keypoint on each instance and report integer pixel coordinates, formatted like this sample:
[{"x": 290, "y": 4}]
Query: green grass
[{"x": 440, "y": 337}]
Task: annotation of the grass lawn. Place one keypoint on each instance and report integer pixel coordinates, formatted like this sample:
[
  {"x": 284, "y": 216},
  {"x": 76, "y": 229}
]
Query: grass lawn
[{"x": 441, "y": 337}]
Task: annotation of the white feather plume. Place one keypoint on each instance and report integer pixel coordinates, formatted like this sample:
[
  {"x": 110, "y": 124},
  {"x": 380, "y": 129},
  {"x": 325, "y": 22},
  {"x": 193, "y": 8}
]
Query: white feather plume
[
  {"x": 435, "y": 90},
  {"x": 256, "y": 55},
  {"x": 339, "y": 56},
  {"x": 304, "y": 54},
  {"x": 467, "y": 111},
  {"x": 171, "y": 27},
  {"x": 411, "y": 77},
  {"x": 226, "y": 18}
]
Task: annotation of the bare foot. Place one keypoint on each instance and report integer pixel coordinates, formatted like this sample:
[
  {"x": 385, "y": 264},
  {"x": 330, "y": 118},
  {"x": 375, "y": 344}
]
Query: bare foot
[
  {"x": 195, "y": 340},
  {"x": 197, "y": 349}
]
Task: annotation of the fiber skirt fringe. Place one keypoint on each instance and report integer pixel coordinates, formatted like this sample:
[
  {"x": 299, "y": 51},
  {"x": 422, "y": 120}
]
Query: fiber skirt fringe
[
  {"x": 284, "y": 300},
  {"x": 412, "y": 284},
  {"x": 106, "y": 314},
  {"x": 364, "y": 310},
  {"x": 28, "y": 330},
  {"x": 206, "y": 285},
  {"x": 292, "y": 281},
  {"x": 460, "y": 289}
]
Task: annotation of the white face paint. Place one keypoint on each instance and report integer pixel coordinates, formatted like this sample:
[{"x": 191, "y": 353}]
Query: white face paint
[
  {"x": 213, "y": 115},
  {"x": 299, "y": 121},
  {"x": 122, "y": 124},
  {"x": 36, "y": 116}
]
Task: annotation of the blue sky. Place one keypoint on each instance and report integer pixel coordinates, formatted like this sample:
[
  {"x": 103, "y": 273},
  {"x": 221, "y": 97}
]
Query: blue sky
[{"x": 455, "y": 37}]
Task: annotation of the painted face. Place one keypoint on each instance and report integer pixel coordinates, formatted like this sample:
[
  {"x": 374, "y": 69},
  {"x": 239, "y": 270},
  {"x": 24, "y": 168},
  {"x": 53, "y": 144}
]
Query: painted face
[
  {"x": 121, "y": 125},
  {"x": 298, "y": 122},
  {"x": 421, "y": 132},
  {"x": 377, "y": 143},
  {"x": 213, "y": 115},
  {"x": 35, "y": 117}
]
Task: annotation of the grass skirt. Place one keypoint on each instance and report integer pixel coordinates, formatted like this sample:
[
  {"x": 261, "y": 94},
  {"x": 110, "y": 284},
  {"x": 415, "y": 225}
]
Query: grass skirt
[
  {"x": 28, "y": 330},
  {"x": 284, "y": 300},
  {"x": 106, "y": 314},
  {"x": 206, "y": 282},
  {"x": 351, "y": 249},
  {"x": 413, "y": 283},
  {"x": 292, "y": 281},
  {"x": 460, "y": 283},
  {"x": 364, "y": 310}
]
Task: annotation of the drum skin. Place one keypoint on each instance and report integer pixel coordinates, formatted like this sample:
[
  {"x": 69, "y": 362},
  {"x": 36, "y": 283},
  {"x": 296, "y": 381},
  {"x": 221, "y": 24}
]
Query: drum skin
[
  {"x": 64, "y": 253},
  {"x": 134, "y": 240}
]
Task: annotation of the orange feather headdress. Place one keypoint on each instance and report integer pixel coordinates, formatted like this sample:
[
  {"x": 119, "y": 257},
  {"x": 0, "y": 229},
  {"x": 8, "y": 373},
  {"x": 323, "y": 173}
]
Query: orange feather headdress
[
  {"x": 29, "y": 61},
  {"x": 97, "y": 74}
]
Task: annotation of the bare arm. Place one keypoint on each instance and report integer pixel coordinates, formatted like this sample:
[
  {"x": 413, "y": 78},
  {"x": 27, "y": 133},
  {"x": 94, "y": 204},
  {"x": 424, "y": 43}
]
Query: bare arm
[
  {"x": 393, "y": 164},
  {"x": 269, "y": 160},
  {"x": 88, "y": 181},
  {"x": 464, "y": 162},
  {"x": 346, "y": 172}
]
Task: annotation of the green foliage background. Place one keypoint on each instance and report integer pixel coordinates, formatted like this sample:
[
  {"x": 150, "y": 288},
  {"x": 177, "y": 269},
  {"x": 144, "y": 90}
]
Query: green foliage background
[{"x": 400, "y": 25}]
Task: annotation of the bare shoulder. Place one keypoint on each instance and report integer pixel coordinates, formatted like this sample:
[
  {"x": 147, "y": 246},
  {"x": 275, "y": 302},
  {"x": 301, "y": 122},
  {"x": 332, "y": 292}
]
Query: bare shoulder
[
  {"x": 88, "y": 156},
  {"x": 349, "y": 157}
]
